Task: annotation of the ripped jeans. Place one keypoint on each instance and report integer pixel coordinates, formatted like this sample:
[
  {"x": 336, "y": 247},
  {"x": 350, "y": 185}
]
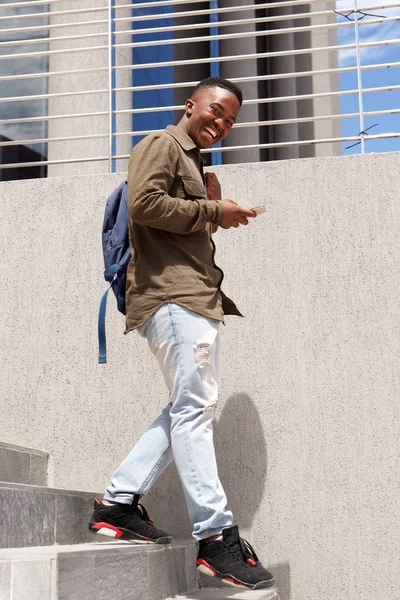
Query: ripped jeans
[{"x": 186, "y": 347}]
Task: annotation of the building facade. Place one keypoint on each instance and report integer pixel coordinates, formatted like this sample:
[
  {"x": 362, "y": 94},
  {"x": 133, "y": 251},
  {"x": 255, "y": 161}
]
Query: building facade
[{"x": 113, "y": 73}]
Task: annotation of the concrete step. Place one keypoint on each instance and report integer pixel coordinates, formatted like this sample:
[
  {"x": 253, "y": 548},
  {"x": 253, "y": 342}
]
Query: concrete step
[
  {"x": 23, "y": 465},
  {"x": 228, "y": 594},
  {"x": 98, "y": 572},
  {"x": 40, "y": 516}
]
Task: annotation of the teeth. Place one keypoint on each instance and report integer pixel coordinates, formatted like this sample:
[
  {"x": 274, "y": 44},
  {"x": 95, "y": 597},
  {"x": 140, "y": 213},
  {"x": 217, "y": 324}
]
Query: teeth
[{"x": 211, "y": 132}]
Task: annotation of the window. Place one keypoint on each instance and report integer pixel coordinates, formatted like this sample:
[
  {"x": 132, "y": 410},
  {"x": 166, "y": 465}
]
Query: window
[{"x": 20, "y": 119}]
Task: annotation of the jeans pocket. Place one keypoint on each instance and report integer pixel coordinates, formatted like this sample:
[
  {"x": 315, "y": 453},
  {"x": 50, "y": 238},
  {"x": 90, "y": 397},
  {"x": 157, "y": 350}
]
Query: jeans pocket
[{"x": 148, "y": 330}]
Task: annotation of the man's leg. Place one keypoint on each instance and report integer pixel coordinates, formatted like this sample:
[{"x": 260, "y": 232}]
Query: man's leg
[
  {"x": 119, "y": 515},
  {"x": 144, "y": 464},
  {"x": 186, "y": 346}
]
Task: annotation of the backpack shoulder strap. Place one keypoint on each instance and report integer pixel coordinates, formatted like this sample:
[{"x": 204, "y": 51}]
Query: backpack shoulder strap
[
  {"x": 110, "y": 274},
  {"x": 101, "y": 328}
]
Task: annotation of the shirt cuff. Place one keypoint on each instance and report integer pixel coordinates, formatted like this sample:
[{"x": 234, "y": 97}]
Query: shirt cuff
[{"x": 216, "y": 212}]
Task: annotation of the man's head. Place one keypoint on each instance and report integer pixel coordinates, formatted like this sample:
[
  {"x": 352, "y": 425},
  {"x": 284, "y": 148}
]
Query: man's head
[{"x": 211, "y": 111}]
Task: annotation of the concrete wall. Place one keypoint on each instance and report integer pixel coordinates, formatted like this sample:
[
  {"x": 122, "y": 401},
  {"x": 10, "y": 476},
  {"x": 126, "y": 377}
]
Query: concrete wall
[{"x": 308, "y": 425}]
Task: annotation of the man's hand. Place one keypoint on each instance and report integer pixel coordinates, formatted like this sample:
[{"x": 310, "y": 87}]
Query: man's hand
[
  {"x": 235, "y": 215},
  {"x": 213, "y": 186}
]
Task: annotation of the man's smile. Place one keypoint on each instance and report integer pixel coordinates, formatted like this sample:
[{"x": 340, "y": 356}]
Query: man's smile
[{"x": 212, "y": 132}]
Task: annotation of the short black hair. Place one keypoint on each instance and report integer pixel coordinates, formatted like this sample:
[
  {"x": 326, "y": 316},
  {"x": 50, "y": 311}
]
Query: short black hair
[{"x": 212, "y": 82}]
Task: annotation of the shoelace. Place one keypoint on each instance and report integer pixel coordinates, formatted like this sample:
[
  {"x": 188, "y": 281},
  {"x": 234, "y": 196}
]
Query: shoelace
[
  {"x": 245, "y": 552},
  {"x": 249, "y": 552},
  {"x": 145, "y": 514}
]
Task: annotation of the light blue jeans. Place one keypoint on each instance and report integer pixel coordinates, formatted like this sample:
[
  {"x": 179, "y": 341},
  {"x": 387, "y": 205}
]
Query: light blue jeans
[{"x": 186, "y": 346}]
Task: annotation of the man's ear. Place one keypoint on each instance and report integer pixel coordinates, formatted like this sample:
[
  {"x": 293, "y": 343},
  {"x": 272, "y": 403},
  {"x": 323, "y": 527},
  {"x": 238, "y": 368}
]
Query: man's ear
[{"x": 189, "y": 107}]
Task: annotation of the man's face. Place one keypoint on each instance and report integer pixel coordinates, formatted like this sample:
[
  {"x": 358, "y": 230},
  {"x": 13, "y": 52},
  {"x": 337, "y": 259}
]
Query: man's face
[{"x": 211, "y": 114}]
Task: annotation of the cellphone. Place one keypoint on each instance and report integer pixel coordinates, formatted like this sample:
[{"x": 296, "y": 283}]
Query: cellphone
[{"x": 259, "y": 210}]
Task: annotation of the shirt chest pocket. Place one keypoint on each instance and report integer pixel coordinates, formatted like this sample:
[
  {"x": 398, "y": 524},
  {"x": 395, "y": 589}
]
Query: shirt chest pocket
[{"x": 192, "y": 188}]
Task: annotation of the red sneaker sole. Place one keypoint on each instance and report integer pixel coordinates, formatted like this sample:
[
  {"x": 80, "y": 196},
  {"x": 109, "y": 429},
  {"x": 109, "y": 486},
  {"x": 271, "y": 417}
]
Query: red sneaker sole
[
  {"x": 108, "y": 530},
  {"x": 206, "y": 569}
]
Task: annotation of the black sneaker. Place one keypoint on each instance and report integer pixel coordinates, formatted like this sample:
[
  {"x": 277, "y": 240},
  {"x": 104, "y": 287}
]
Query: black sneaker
[
  {"x": 233, "y": 560},
  {"x": 129, "y": 522}
]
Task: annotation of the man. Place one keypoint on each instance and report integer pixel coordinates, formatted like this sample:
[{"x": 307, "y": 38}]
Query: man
[{"x": 174, "y": 299}]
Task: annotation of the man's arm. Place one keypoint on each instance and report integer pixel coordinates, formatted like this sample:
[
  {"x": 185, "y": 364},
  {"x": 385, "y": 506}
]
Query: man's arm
[{"x": 151, "y": 173}]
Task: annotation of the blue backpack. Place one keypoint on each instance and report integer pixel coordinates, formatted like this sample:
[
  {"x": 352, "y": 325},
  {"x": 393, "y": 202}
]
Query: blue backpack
[{"x": 116, "y": 254}]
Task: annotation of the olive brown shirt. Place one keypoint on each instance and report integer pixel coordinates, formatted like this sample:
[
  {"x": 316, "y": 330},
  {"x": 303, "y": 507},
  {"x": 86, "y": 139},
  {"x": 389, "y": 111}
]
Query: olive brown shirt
[{"x": 170, "y": 226}]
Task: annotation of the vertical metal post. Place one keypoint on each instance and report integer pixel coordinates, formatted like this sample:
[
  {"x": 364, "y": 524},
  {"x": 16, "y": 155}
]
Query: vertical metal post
[
  {"x": 215, "y": 68},
  {"x": 111, "y": 89},
  {"x": 359, "y": 78}
]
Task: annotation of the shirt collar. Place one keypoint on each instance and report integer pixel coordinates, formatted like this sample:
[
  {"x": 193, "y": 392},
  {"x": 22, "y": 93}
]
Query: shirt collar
[{"x": 181, "y": 137}]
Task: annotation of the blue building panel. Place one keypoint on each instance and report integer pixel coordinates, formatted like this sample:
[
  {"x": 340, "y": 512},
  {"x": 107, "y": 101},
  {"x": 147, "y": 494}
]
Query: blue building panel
[{"x": 154, "y": 76}]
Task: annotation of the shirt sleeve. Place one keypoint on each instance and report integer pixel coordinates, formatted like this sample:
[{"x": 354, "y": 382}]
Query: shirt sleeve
[{"x": 151, "y": 172}]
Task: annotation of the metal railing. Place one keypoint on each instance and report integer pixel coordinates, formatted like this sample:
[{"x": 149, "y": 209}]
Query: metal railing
[{"x": 84, "y": 84}]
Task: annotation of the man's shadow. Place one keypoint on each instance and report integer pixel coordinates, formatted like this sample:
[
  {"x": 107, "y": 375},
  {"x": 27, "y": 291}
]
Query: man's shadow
[
  {"x": 242, "y": 466},
  {"x": 241, "y": 456}
]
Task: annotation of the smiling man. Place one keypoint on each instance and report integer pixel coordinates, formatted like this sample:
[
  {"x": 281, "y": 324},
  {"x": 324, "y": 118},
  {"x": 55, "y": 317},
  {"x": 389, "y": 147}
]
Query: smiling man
[{"x": 174, "y": 300}]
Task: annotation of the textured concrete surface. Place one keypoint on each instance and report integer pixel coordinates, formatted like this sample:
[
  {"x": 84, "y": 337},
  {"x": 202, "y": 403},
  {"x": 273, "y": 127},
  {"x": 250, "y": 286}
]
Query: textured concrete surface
[
  {"x": 28, "y": 518},
  {"x": 5, "y": 579},
  {"x": 23, "y": 465},
  {"x": 90, "y": 571},
  {"x": 38, "y": 516},
  {"x": 93, "y": 575},
  {"x": 307, "y": 430},
  {"x": 31, "y": 579},
  {"x": 164, "y": 578}
]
